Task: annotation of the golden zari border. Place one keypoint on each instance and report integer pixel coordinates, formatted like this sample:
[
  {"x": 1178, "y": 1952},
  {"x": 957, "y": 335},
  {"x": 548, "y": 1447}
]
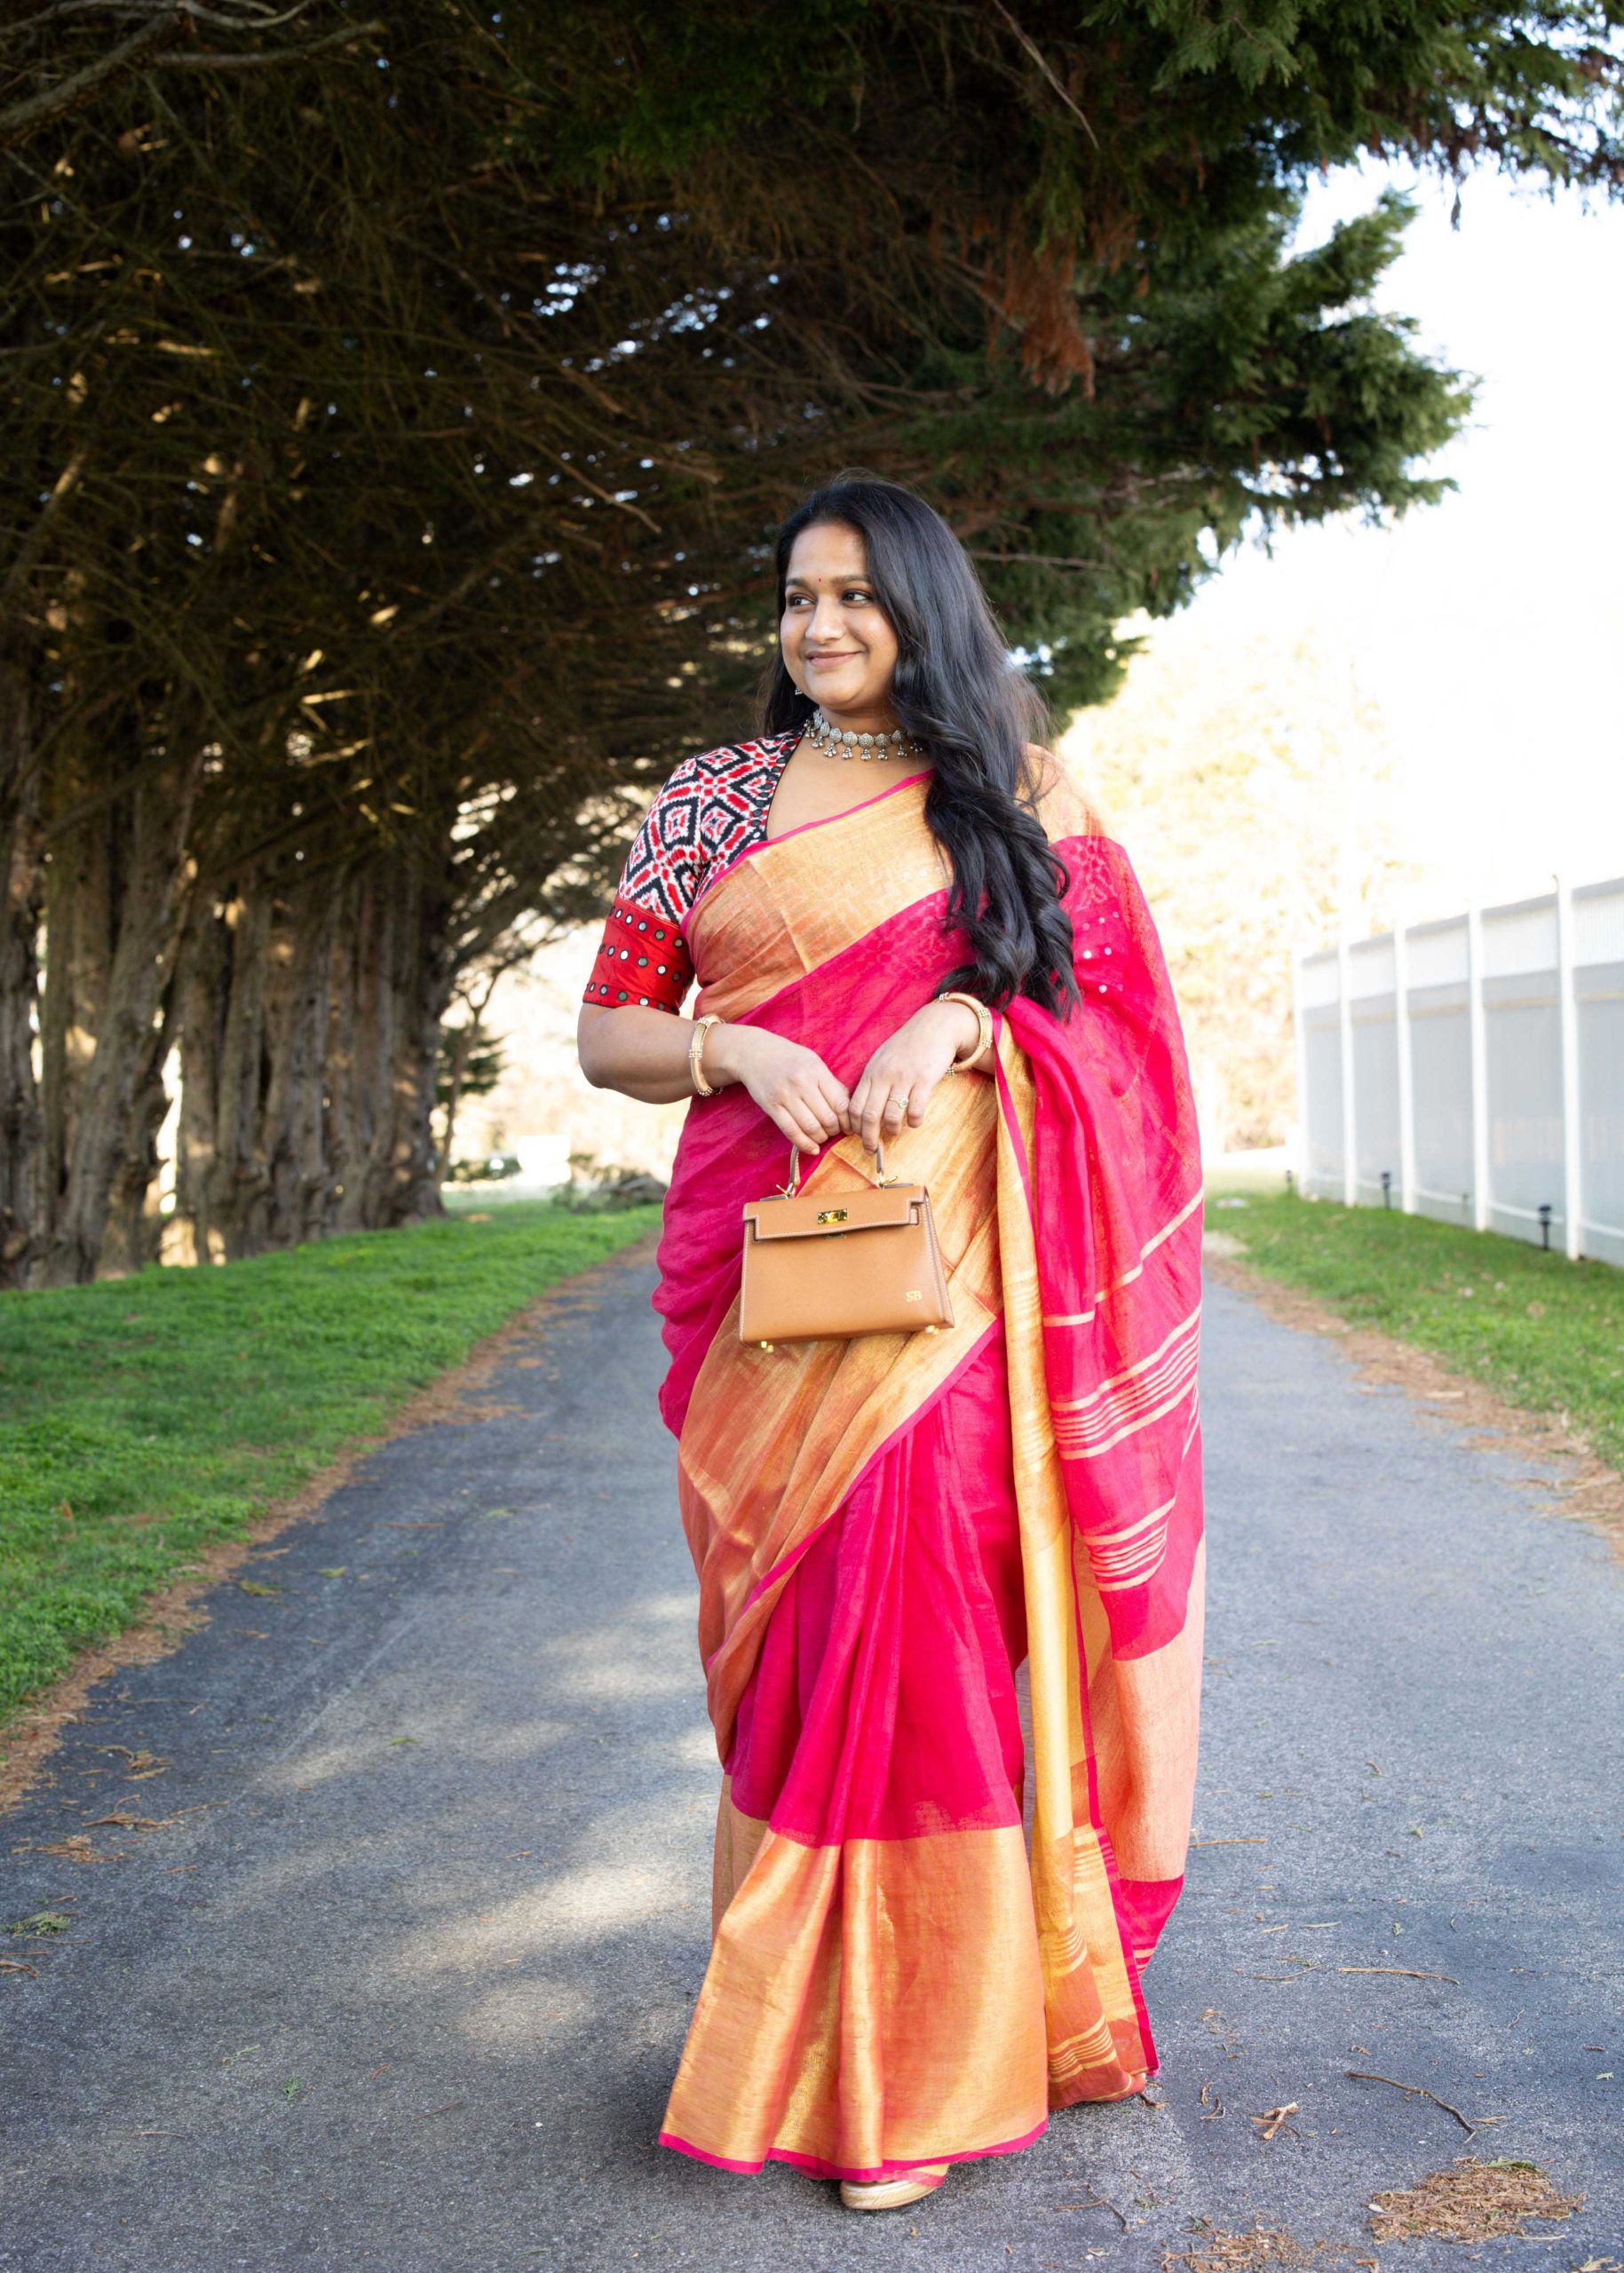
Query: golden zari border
[
  {"x": 1092, "y": 2011},
  {"x": 811, "y": 2039},
  {"x": 794, "y": 903}
]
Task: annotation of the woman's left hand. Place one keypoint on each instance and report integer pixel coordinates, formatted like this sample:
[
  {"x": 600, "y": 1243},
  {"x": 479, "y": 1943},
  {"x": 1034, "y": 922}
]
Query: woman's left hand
[{"x": 895, "y": 1086}]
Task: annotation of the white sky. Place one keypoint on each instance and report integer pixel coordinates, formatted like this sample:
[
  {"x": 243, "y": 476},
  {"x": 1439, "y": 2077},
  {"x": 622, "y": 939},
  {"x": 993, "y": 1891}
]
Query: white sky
[{"x": 1488, "y": 629}]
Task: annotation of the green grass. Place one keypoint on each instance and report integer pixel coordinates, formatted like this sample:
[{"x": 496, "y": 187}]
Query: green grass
[
  {"x": 145, "y": 1418},
  {"x": 1543, "y": 1332}
]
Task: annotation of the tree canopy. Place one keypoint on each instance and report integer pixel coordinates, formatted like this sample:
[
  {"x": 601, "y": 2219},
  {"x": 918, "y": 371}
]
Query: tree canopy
[{"x": 400, "y": 410}]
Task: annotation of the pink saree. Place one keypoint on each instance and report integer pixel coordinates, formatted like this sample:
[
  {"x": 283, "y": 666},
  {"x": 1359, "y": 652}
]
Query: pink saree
[{"x": 930, "y": 1924}]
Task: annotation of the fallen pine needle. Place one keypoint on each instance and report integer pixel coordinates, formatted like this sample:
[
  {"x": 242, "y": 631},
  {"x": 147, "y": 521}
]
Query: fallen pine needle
[
  {"x": 1097, "y": 2202},
  {"x": 1405, "y": 1972},
  {"x": 1100, "y": 2201},
  {"x": 1219, "y": 2253},
  {"x": 1416, "y": 2091},
  {"x": 1259, "y": 1841},
  {"x": 1474, "y": 2201}
]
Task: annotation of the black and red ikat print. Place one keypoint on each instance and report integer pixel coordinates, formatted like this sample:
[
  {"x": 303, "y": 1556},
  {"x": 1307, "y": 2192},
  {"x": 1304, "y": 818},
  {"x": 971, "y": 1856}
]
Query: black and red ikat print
[{"x": 713, "y": 809}]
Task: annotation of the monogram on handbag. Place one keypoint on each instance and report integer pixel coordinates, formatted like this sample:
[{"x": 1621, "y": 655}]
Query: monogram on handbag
[{"x": 827, "y": 1266}]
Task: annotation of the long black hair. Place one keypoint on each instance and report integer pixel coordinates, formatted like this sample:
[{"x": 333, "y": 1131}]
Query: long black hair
[{"x": 958, "y": 692}]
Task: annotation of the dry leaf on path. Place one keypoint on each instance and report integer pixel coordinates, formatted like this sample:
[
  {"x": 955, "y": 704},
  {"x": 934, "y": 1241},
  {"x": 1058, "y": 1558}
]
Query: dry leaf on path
[
  {"x": 76, "y": 1847},
  {"x": 138, "y": 1765},
  {"x": 1270, "y": 2121}
]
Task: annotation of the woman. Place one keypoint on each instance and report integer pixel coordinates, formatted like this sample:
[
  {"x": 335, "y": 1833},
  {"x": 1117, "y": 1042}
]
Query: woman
[{"x": 884, "y": 1528}]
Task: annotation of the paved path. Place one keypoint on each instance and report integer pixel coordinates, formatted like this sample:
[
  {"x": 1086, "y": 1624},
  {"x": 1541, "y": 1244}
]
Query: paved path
[{"x": 406, "y": 1989}]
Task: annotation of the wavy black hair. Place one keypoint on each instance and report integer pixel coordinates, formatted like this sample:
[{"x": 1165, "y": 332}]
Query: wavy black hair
[{"x": 960, "y": 693}]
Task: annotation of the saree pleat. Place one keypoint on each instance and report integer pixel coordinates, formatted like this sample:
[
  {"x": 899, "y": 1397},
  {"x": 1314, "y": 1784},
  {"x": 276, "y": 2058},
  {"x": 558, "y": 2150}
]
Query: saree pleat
[
  {"x": 884, "y": 1529},
  {"x": 871, "y": 1887}
]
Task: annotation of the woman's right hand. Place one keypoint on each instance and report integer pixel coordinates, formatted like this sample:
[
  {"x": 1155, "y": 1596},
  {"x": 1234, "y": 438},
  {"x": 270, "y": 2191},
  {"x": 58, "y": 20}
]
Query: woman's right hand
[{"x": 792, "y": 1085}]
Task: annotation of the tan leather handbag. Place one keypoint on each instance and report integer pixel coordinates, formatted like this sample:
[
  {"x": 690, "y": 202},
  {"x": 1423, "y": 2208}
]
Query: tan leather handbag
[{"x": 827, "y": 1266}]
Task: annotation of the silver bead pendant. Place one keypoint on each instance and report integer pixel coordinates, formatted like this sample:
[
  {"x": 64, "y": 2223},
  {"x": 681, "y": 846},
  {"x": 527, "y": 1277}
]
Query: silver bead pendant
[{"x": 842, "y": 742}]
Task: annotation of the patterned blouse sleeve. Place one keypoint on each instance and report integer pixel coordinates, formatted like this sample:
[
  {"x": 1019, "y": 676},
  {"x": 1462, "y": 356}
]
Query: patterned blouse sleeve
[{"x": 643, "y": 959}]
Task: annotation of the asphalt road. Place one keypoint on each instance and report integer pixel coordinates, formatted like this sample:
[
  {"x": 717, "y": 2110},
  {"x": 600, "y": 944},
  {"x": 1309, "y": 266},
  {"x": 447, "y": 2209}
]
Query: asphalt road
[{"x": 402, "y": 1983}]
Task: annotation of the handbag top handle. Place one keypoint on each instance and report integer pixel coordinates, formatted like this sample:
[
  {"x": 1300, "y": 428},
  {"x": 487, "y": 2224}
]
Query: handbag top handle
[{"x": 789, "y": 1190}]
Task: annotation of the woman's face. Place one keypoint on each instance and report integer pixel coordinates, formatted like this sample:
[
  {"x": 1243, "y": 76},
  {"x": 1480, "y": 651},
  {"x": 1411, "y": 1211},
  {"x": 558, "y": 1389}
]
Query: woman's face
[{"x": 838, "y": 644}]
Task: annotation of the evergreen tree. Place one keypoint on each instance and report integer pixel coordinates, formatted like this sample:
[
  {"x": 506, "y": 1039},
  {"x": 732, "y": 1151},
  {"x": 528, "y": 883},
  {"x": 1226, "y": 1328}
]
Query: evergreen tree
[{"x": 397, "y": 424}]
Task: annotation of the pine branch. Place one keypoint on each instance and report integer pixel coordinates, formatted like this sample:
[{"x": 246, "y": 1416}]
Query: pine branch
[{"x": 19, "y": 122}]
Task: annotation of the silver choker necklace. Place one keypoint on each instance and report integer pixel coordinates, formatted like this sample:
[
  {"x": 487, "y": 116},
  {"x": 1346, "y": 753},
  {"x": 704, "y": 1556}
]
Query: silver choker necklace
[{"x": 836, "y": 742}]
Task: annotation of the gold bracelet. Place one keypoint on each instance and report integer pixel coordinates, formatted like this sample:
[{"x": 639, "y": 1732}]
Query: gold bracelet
[
  {"x": 696, "y": 1050},
  {"x": 984, "y": 1036}
]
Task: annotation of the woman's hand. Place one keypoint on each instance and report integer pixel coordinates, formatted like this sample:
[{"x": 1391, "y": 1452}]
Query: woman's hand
[
  {"x": 895, "y": 1086},
  {"x": 792, "y": 1085}
]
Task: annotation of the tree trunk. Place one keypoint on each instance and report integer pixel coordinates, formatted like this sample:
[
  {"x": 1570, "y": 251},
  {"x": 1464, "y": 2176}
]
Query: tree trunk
[
  {"x": 237, "y": 1184},
  {"x": 201, "y": 984},
  {"x": 257, "y": 1010},
  {"x": 310, "y": 1016},
  {"x": 132, "y": 869},
  {"x": 134, "y": 1234},
  {"x": 425, "y": 976},
  {"x": 23, "y": 1193},
  {"x": 392, "y": 985},
  {"x": 80, "y": 922},
  {"x": 297, "y": 1023},
  {"x": 359, "y": 1047}
]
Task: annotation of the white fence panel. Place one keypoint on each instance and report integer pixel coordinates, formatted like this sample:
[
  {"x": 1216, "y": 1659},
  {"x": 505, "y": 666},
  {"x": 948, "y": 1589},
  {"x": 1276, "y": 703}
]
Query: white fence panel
[
  {"x": 1473, "y": 1069},
  {"x": 1599, "y": 1020},
  {"x": 1319, "y": 1068},
  {"x": 1523, "y": 1022},
  {"x": 1372, "y": 1013}
]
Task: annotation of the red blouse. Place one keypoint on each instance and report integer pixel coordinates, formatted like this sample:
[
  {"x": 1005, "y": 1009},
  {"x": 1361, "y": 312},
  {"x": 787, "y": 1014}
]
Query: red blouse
[{"x": 713, "y": 809}]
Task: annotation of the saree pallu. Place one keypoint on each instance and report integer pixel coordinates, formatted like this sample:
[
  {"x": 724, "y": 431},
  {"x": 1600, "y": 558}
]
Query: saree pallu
[{"x": 929, "y": 1932}]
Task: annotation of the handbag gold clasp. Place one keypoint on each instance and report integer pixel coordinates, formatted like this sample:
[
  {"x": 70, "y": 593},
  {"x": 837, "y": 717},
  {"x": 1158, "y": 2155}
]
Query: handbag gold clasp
[{"x": 831, "y": 1215}]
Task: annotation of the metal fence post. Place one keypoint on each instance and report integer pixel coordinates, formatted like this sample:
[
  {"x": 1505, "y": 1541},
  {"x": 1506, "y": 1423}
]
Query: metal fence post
[
  {"x": 1349, "y": 1119},
  {"x": 1479, "y": 1023},
  {"x": 1407, "y": 1089},
  {"x": 1573, "y": 1146}
]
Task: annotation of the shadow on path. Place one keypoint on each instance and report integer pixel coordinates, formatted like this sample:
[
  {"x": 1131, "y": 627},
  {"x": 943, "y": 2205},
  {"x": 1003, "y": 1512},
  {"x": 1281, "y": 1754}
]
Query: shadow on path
[{"x": 401, "y": 1977}]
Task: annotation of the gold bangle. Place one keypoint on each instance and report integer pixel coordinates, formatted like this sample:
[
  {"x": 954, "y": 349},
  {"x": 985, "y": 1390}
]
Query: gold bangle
[
  {"x": 696, "y": 1050},
  {"x": 984, "y": 1036}
]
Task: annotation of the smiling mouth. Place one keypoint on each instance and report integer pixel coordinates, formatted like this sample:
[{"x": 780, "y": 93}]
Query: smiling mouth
[{"x": 850, "y": 656}]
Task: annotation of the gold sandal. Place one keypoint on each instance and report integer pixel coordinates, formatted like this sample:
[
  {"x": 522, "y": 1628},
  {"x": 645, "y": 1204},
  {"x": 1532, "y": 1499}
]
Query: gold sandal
[{"x": 892, "y": 2193}]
